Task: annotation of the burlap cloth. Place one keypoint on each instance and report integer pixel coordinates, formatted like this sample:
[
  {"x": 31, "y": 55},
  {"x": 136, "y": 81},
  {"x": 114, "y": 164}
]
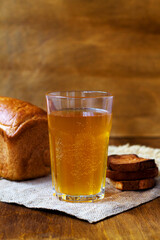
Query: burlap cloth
[{"x": 38, "y": 193}]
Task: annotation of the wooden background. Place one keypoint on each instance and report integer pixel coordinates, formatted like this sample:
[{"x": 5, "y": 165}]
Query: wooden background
[{"x": 110, "y": 45}]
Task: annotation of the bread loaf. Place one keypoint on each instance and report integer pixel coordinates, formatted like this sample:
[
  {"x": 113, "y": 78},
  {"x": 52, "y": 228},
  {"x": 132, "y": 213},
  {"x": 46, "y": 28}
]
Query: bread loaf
[{"x": 24, "y": 144}]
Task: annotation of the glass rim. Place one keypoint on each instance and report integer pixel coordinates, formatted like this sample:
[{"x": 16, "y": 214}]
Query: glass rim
[{"x": 57, "y": 94}]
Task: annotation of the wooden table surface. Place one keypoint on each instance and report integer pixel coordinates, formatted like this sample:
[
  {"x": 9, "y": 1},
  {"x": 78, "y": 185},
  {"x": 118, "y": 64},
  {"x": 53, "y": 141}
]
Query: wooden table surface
[{"x": 18, "y": 222}]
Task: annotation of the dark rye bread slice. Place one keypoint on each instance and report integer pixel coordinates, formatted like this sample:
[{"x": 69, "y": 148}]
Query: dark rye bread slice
[
  {"x": 134, "y": 185},
  {"x": 129, "y": 163},
  {"x": 146, "y": 173}
]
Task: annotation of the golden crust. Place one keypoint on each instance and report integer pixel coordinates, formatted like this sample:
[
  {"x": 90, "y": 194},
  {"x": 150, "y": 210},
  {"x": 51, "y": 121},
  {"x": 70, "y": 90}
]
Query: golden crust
[{"x": 15, "y": 114}]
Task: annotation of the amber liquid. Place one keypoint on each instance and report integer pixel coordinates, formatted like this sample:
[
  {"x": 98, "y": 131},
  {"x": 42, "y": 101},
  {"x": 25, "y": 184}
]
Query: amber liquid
[{"x": 78, "y": 144}]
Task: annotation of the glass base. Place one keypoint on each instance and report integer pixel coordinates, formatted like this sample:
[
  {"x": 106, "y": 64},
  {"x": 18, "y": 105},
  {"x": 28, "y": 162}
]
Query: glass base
[{"x": 80, "y": 198}]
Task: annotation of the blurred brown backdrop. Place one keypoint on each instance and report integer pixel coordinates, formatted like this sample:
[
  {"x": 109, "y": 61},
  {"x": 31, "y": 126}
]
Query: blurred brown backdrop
[{"x": 110, "y": 45}]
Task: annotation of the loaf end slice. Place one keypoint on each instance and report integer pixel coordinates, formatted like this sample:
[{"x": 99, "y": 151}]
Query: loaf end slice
[
  {"x": 134, "y": 185},
  {"x": 129, "y": 163},
  {"x": 137, "y": 175}
]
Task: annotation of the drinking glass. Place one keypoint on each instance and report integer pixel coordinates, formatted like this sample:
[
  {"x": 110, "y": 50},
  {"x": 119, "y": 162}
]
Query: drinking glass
[{"x": 79, "y": 125}]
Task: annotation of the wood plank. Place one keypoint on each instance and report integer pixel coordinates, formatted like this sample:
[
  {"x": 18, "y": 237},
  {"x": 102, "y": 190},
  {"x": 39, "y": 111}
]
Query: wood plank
[
  {"x": 17, "y": 222},
  {"x": 64, "y": 45}
]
